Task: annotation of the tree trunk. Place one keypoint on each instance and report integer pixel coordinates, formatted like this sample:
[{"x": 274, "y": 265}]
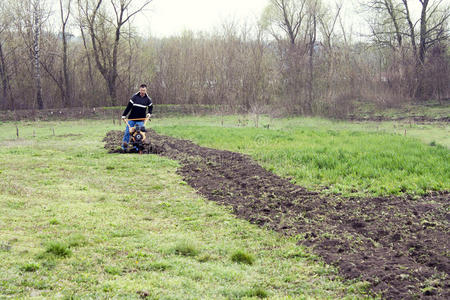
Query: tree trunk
[
  {"x": 6, "y": 86},
  {"x": 411, "y": 27},
  {"x": 111, "y": 82},
  {"x": 113, "y": 72},
  {"x": 91, "y": 77},
  {"x": 312, "y": 42},
  {"x": 67, "y": 91},
  {"x": 36, "y": 49},
  {"x": 420, "y": 91},
  {"x": 423, "y": 32}
]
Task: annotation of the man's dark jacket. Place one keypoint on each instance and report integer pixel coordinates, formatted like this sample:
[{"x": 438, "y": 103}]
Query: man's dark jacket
[{"x": 138, "y": 106}]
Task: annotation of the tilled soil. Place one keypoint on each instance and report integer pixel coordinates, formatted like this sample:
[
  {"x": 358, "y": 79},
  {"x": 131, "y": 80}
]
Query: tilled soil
[
  {"x": 398, "y": 244},
  {"x": 414, "y": 119}
]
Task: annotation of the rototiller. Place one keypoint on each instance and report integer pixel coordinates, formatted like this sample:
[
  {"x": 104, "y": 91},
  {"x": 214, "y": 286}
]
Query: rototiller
[{"x": 137, "y": 135}]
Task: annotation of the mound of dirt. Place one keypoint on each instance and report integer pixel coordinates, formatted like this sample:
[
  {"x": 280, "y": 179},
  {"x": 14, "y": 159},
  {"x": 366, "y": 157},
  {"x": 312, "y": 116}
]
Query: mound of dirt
[{"x": 398, "y": 244}]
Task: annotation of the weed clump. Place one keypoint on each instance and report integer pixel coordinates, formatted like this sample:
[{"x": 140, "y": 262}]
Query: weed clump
[
  {"x": 186, "y": 248},
  {"x": 156, "y": 266},
  {"x": 257, "y": 292},
  {"x": 54, "y": 222},
  {"x": 113, "y": 270},
  {"x": 30, "y": 267},
  {"x": 246, "y": 293},
  {"x": 77, "y": 240},
  {"x": 242, "y": 257},
  {"x": 58, "y": 249}
]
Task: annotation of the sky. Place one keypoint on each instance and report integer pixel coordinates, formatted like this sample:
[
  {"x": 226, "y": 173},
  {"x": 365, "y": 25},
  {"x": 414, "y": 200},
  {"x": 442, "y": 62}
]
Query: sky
[
  {"x": 163, "y": 18},
  {"x": 171, "y": 17}
]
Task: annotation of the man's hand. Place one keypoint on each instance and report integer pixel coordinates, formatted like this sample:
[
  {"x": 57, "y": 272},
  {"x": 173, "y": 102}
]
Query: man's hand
[
  {"x": 149, "y": 116},
  {"x": 124, "y": 117}
]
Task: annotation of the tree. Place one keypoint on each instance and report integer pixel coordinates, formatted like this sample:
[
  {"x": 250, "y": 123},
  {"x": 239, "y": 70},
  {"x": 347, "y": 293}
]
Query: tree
[
  {"x": 296, "y": 22},
  {"x": 67, "y": 86},
  {"x": 7, "y": 98},
  {"x": 286, "y": 16},
  {"x": 37, "y": 21},
  {"x": 106, "y": 46},
  {"x": 394, "y": 26}
]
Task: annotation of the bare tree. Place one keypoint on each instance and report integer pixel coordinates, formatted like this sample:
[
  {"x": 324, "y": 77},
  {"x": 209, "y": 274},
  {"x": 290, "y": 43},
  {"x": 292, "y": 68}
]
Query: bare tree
[
  {"x": 296, "y": 21},
  {"x": 98, "y": 22},
  {"x": 387, "y": 25},
  {"x": 37, "y": 20},
  {"x": 82, "y": 26},
  {"x": 7, "y": 98},
  {"x": 393, "y": 22},
  {"x": 433, "y": 29},
  {"x": 286, "y": 16},
  {"x": 67, "y": 87},
  {"x": 312, "y": 33}
]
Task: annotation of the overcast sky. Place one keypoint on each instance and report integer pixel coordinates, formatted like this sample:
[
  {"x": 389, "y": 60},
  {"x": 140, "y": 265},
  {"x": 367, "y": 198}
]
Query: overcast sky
[
  {"x": 164, "y": 18},
  {"x": 171, "y": 17}
]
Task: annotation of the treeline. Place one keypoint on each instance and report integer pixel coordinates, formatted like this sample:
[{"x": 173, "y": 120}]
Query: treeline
[{"x": 299, "y": 58}]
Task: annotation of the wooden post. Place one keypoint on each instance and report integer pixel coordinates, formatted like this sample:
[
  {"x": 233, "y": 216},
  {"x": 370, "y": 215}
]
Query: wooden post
[{"x": 17, "y": 131}]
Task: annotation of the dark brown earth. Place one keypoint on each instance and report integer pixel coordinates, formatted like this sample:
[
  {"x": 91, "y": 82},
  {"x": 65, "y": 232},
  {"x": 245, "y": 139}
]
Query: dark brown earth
[
  {"x": 413, "y": 119},
  {"x": 76, "y": 113},
  {"x": 398, "y": 244}
]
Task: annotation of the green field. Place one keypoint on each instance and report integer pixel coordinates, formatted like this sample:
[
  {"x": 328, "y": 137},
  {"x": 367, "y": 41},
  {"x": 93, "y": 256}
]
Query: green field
[
  {"x": 338, "y": 157},
  {"x": 78, "y": 222}
]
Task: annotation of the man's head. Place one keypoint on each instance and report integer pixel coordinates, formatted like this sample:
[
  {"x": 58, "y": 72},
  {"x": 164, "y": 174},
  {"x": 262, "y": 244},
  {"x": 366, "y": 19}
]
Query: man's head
[{"x": 143, "y": 89}]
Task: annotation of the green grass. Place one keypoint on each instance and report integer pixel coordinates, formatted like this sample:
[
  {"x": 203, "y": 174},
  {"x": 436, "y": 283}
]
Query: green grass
[
  {"x": 77, "y": 222},
  {"x": 340, "y": 157},
  {"x": 58, "y": 249},
  {"x": 242, "y": 257},
  {"x": 30, "y": 267},
  {"x": 186, "y": 248}
]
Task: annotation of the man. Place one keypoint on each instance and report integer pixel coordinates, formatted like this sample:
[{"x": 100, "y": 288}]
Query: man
[{"x": 138, "y": 106}]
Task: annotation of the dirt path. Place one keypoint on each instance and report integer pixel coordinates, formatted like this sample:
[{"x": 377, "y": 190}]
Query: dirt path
[{"x": 400, "y": 245}]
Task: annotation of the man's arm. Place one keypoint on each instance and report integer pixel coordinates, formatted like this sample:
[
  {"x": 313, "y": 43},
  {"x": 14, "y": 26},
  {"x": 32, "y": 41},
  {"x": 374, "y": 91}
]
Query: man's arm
[{"x": 128, "y": 108}]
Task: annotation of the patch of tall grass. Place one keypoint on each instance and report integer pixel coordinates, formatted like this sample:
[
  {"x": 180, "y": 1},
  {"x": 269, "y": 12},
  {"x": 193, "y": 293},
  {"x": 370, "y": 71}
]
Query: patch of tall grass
[{"x": 339, "y": 161}]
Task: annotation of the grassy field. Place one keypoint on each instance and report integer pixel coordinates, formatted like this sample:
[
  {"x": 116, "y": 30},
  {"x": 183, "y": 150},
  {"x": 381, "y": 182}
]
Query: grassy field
[
  {"x": 338, "y": 157},
  {"x": 77, "y": 222}
]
